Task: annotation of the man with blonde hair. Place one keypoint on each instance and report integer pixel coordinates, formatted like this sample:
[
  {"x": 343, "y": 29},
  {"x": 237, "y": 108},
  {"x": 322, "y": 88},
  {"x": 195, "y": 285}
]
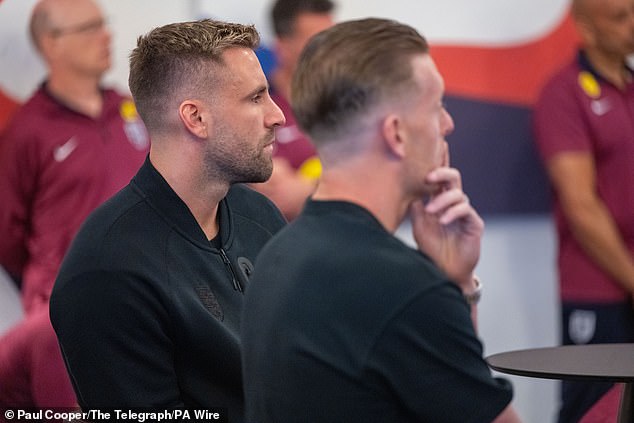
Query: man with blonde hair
[
  {"x": 147, "y": 303},
  {"x": 373, "y": 330}
]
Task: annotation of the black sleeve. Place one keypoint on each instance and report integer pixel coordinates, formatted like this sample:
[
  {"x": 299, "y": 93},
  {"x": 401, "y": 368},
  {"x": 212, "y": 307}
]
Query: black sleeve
[{"x": 430, "y": 350}]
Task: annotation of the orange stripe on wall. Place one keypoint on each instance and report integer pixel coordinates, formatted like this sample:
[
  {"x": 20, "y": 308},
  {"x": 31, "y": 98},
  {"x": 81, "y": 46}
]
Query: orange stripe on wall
[{"x": 507, "y": 74}]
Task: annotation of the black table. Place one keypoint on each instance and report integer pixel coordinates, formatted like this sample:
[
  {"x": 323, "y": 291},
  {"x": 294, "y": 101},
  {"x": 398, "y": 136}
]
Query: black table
[{"x": 599, "y": 362}]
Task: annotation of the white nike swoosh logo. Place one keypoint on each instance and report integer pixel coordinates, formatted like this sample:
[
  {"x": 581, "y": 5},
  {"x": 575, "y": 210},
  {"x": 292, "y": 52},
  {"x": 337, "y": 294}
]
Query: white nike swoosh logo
[
  {"x": 600, "y": 107},
  {"x": 62, "y": 152}
]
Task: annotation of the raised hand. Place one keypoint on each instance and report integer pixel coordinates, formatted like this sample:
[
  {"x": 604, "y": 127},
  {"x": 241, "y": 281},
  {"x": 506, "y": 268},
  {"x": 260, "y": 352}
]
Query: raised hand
[{"x": 447, "y": 228}]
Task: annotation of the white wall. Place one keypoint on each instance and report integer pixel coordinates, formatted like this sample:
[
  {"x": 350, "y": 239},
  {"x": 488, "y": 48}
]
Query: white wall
[
  {"x": 519, "y": 307},
  {"x": 10, "y": 304}
]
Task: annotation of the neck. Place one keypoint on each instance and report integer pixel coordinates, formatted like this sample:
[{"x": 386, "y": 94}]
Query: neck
[
  {"x": 194, "y": 188},
  {"x": 383, "y": 199},
  {"x": 611, "y": 67},
  {"x": 81, "y": 94}
]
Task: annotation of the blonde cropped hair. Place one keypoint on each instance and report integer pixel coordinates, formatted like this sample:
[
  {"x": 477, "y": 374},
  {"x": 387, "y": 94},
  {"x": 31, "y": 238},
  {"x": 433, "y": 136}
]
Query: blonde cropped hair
[{"x": 176, "y": 58}]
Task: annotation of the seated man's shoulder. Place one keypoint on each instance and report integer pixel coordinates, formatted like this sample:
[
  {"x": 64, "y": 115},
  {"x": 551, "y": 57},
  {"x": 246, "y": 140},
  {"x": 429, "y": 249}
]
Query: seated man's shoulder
[
  {"x": 249, "y": 203},
  {"x": 122, "y": 211},
  {"x": 115, "y": 230},
  {"x": 242, "y": 192}
]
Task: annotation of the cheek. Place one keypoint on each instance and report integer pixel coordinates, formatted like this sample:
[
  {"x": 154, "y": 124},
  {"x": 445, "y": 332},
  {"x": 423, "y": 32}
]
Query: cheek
[
  {"x": 431, "y": 154},
  {"x": 432, "y": 142},
  {"x": 251, "y": 131}
]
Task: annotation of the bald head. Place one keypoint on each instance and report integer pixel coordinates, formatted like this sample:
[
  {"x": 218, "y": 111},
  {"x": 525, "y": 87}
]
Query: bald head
[
  {"x": 49, "y": 16},
  {"x": 43, "y": 19},
  {"x": 582, "y": 8},
  {"x": 606, "y": 28}
]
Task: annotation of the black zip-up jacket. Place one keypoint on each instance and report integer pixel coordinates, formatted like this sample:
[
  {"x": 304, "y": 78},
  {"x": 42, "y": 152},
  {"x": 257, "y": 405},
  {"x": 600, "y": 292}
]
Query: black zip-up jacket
[{"x": 147, "y": 310}]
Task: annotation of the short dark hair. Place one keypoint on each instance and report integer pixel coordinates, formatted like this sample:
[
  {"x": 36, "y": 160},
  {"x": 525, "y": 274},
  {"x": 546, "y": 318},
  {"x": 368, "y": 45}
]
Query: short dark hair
[
  {"x": 284, "y": 13},
  {"x": 172, "y": 59},
  {"x": 346, "y": 70}
]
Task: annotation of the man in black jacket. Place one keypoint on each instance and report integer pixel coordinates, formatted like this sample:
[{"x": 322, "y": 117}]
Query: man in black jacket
[{"x": 147, "y": 303}]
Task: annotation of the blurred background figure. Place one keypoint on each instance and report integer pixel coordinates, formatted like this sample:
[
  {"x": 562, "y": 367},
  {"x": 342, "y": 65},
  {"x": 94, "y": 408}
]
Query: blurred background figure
[
  {"x": 32, "y": 372},
  {"x": 296, "y": 166},
  {"x": 584, "y": 130},
  {"x": 70, "y": 147}
]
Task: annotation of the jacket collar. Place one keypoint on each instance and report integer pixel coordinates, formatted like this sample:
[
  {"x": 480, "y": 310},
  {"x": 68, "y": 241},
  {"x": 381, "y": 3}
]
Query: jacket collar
[{"x": 155, "y": 190}]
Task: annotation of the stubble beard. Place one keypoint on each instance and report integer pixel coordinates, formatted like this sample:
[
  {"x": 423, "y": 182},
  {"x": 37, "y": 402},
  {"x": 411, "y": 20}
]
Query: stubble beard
[{"x": 240, "y": 166}]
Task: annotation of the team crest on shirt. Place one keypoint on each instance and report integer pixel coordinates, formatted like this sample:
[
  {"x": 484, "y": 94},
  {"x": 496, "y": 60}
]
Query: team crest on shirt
[
  {"x": 582, "y": 325},
  {"x": 133, "y": 126},
  {"x": 311, "y": 168},
  {"x": 589, "y": 84}
]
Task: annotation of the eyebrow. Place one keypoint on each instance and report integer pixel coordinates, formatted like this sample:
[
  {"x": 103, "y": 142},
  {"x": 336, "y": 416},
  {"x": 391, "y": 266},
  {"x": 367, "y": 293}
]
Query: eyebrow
[{"x": 259, "y": 90}]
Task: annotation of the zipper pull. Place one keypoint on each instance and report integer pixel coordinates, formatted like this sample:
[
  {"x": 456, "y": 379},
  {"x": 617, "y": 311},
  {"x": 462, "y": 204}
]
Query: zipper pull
[{"x": 236, "y": 284}]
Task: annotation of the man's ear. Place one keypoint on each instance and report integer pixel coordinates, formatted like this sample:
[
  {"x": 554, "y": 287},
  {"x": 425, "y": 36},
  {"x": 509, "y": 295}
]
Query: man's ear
[
  {"x": 192, "y": 116},
  {"x": 393, "y": 135},
  {"x": 585, "y": 31},
  {"x": 47, "y": 46}
]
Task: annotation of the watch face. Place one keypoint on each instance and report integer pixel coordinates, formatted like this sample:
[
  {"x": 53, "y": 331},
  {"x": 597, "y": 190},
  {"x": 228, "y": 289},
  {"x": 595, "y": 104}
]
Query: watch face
[{"x": 474, "y": 297}]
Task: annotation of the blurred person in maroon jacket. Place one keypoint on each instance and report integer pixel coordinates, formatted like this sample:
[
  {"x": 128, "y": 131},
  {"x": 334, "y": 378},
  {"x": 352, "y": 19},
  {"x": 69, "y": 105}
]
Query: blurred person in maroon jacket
[
  {"x": 70, "y": 147},
  {"x": 584, "y": 131}
]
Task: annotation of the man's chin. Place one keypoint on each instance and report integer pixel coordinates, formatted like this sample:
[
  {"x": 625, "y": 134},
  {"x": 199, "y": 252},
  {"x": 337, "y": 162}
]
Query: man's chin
[
  {"x": 267, "y": 175},
  {"x": 261, "y": 175}
]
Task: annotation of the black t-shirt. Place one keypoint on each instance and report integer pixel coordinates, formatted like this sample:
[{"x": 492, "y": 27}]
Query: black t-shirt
[{"x": 345, "y": 323}]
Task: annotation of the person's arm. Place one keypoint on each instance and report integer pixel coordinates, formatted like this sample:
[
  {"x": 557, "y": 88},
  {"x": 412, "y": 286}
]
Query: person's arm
[
  {"x": 449, "y": 230},
  {"x": 574, "y": 179},
  {"x": 16, "y": 184},
  {"x": 431, "y": 347},
  {"x": 50, "y": 383}
]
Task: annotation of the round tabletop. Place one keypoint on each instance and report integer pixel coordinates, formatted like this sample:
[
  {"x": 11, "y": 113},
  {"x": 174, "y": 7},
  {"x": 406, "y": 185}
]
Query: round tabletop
[{"x": 608, "y": 362}]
